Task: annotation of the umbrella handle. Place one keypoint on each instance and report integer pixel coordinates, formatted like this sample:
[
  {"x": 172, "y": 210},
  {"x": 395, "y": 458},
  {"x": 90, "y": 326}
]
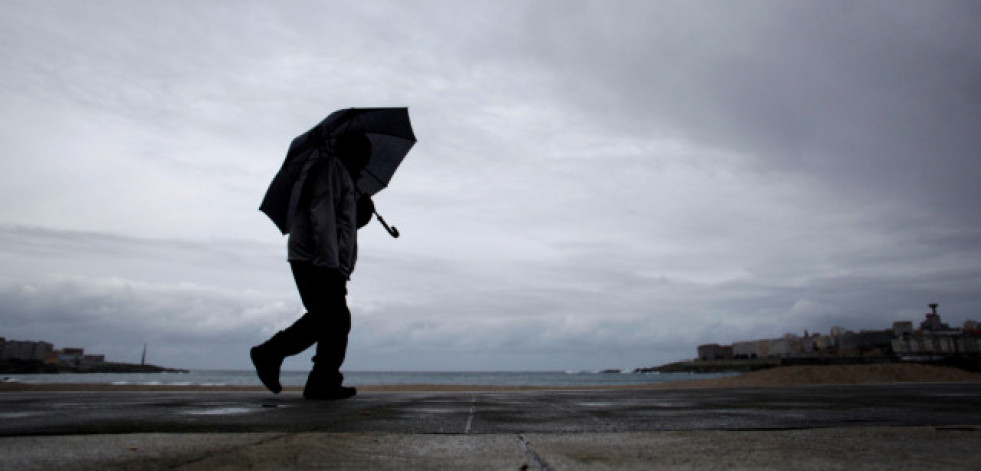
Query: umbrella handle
[{"x": 392, "y": 230}]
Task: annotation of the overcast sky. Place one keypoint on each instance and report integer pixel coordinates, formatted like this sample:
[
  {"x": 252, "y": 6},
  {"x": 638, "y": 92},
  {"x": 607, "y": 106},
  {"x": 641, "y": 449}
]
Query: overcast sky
[{"x": 596, "y": 185}]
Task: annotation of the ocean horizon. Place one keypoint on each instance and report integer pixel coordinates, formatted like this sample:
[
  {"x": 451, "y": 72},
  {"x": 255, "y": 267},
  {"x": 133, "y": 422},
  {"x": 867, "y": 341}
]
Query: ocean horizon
[{"x": 369, "y": 378}]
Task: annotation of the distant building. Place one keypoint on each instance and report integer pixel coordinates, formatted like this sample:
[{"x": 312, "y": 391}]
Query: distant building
[
  {"x": 714, "y": 351},
  {"x": 52, "y": 358},
  {"x": 71, "y": 356},
  {"x": 934, "y": 338},
  {"x": 874, "y": 342},
  {"x": 744, "y": 350},
  {"x": 25, "y": 350},
  {"x": 933, "y": 345},
  {"x": 902, "y": 328},
  {"x": 789, "y": 345},
  {"x": 751, "y": 349},
  {"x": 971, "y": 328},
  {"x": 823, "y": 343},
  {"x": 727, "y": 352},
  {"x": 969, "y": 345},
  {"x": 812, "y": 344},
  {"x": 932, "y": 322},
  {"x": 45, "y": 352}
]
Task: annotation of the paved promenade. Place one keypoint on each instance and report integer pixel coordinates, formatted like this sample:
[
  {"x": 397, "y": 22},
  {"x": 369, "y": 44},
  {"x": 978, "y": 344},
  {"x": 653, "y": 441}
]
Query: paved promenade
[{"x": 903, "y": 426}]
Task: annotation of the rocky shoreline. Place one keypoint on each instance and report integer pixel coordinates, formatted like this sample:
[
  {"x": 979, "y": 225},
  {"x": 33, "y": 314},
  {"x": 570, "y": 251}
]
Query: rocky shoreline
[
  {"x": 971, "y": 363},
  {"x": 39, "y": 367},
  {"x": 813, "y": 375}
]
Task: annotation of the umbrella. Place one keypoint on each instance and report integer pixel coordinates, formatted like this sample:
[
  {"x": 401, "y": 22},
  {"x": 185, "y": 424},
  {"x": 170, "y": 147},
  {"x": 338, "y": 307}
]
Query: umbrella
[{"x": 391, "y": 136}]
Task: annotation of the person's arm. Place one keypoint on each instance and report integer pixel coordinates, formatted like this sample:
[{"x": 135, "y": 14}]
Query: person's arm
[{"x": 366, "y": 209}]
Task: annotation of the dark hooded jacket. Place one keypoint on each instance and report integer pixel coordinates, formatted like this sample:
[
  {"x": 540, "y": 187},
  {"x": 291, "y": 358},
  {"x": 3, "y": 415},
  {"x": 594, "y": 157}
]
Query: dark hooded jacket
[{"x": 324, "y": 230}]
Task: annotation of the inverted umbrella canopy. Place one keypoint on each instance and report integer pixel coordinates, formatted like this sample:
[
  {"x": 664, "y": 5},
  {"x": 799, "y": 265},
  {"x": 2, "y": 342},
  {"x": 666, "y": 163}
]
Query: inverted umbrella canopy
[{"x": 391, "y": 138}]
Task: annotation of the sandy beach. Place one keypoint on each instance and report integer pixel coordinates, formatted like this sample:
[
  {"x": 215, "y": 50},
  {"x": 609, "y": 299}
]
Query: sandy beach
[{"x": 773, "y": 377}]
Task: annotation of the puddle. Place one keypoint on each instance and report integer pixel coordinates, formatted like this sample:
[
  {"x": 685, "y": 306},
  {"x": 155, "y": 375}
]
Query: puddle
[
  {"x": 222, "y": 411},
  {"x": 18, "y": 415},
  {"x": 662, "y": 405},
  {"x": 433, "y": 410}
]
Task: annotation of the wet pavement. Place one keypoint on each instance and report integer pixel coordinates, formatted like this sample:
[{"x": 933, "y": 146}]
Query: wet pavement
[
  {"x": 47, "y": 413},
  {"x": 512, "y": 428}
]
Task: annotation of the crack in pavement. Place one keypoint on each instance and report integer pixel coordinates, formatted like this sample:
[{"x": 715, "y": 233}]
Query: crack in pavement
[
  {"x": 473, "y": 409},
  {"x": 530, "y": 452}
]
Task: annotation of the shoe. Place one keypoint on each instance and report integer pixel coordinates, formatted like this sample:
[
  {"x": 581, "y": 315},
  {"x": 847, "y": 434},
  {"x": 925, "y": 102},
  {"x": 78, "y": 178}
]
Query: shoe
[
  {"x": 267, "y": 366},
  {"x": 332, "y": 394}
]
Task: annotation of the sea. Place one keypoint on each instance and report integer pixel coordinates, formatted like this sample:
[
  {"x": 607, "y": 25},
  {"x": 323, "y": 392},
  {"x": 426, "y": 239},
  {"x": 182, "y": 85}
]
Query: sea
[{"x": 370, "y": 378}]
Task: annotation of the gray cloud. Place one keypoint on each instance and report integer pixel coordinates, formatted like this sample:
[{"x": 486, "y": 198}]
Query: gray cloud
[{"x": 874, "y": 100}]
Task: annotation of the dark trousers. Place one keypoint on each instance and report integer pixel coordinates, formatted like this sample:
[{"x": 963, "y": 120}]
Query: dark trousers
[{"x": 326, "y": 323}]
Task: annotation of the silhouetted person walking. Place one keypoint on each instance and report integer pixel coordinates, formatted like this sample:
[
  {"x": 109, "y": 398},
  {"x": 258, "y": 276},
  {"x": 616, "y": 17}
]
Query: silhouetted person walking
[{"x": 323, "y": 250}]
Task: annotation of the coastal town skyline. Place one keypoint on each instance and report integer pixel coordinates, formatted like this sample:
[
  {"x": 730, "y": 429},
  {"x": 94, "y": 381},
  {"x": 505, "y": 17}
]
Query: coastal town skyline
[
  {"x": 902, "y": 340},
  {"x": 931, "y": 340}
]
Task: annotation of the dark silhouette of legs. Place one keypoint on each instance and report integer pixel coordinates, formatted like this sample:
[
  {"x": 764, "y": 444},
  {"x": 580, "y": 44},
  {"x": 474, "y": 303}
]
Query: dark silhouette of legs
[{"x": 327, "y": 323}]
